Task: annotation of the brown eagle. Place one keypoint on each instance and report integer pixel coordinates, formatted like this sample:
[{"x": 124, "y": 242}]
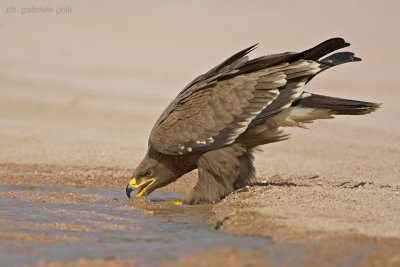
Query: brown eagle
[{"x": 217, "y": 120}]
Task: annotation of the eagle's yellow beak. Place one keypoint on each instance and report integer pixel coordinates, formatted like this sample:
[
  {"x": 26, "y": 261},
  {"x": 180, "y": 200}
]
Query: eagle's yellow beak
[{"x": 138, "y": 190}]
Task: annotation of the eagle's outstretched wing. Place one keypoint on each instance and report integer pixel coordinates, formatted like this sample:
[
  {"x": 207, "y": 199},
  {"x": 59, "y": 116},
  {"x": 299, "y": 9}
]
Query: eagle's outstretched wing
[{"x": 216, "y": 107}]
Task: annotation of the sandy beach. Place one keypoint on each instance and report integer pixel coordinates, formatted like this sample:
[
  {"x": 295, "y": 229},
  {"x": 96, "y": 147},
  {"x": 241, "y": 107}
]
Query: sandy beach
[{"x": 80, "y": 90}]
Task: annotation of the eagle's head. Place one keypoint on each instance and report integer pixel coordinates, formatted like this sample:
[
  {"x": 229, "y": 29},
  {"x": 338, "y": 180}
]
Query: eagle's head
[{"x": 154, "y": 171}]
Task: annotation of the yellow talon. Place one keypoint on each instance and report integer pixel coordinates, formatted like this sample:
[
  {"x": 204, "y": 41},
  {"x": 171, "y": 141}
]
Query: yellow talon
[{"x": 175, "y": 202}]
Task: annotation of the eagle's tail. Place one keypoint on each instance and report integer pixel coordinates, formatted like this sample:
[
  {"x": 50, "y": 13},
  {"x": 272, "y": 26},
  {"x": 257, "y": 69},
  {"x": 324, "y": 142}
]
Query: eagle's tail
[
  {"x": 310, "y": 107},
  {"x": 306, "y": 109},
  {"x": 337, "y": 106}
]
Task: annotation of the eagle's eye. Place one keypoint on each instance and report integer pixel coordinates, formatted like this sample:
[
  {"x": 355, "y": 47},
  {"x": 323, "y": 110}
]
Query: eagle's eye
[{"x": 147, "y": 173}]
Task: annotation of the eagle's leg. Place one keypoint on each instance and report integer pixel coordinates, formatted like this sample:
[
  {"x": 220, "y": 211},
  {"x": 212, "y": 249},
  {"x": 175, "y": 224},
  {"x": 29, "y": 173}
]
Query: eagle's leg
[
  {"x": 247, "y": 171},
  {"x": 220, "y": 172}
]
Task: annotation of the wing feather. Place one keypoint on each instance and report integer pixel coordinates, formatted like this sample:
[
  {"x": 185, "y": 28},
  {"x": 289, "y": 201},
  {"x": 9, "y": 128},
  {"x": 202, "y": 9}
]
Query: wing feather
[
  {"x": 218, "y": 106},
  {"x": 216, "y": 115}
]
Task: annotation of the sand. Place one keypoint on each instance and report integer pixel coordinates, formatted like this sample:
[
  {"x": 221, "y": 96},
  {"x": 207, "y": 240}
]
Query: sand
[{"x": 80, "y": 91}]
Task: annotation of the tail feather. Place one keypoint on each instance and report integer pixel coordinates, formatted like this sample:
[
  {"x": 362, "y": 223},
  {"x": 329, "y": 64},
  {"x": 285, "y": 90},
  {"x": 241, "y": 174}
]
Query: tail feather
[{"x": 338, "y": 106}]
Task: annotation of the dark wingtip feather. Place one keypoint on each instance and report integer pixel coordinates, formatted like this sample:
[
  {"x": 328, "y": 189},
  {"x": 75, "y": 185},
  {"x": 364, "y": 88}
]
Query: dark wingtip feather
[
  {"x": 237, "y": 56},
  {"x": 245, "y": 51},
  {"x": 337, "y": 59},
  {"x": 324, "y": 48},
  {"x": 349, "y": 55},
  {"x": 224, "y": 65},
  {"x": 251, "y": 48},
  {"x": 338, "y": 40}
]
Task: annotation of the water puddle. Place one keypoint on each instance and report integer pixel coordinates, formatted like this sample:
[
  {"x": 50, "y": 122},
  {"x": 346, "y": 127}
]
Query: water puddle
[
  {"x": 50, "y": 223},
  {"x": 74, "y": 225}
]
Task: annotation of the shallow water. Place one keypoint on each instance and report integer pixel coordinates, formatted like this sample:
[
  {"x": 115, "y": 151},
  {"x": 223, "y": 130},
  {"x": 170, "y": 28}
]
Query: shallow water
[
  {"x": 102, "y": 223},
  {"x": 116, "y": 229}
]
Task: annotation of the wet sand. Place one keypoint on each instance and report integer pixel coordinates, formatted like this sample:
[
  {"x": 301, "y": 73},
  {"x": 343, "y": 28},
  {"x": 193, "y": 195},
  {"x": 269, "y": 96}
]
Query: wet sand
[
  {"x": 88, "y": 262},
  {"x": 79, "y": 93},
  {"x": 241, "y": 213}
]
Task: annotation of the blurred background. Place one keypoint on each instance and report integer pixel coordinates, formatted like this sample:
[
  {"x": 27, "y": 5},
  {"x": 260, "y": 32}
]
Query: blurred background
[{"x": 82, "y": 82}]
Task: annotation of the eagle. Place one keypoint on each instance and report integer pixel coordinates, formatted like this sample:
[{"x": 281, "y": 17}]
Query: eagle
[{"x": 216, "y": 122}]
